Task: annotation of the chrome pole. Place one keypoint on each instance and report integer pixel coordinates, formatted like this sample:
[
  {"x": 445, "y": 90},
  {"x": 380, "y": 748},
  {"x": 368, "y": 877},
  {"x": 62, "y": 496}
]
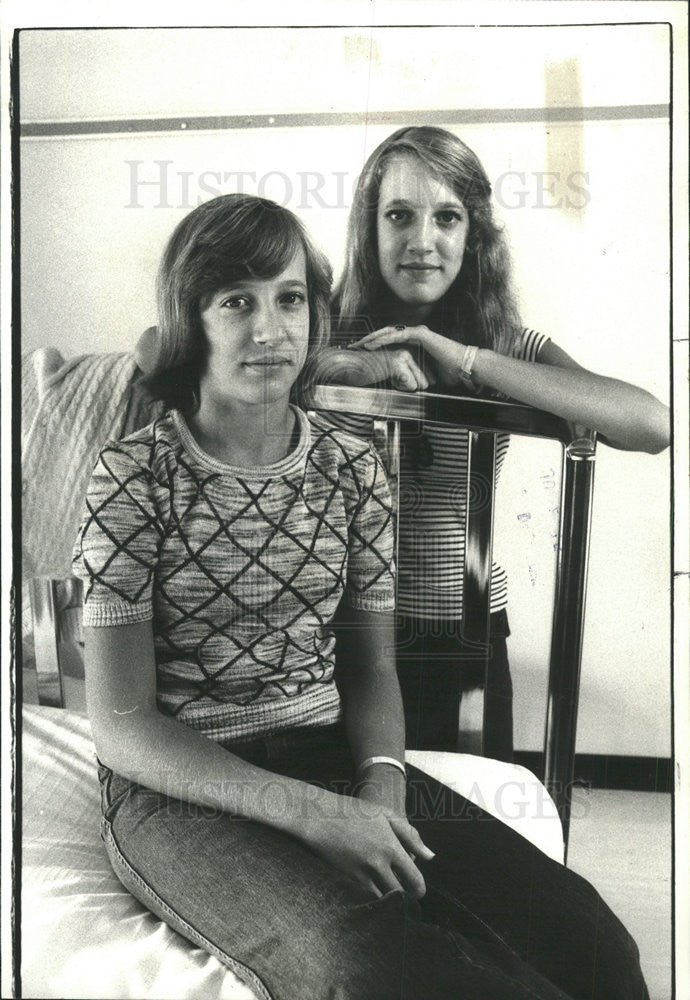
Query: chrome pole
[
  {"x": 568, "y": 624},
  {"x": 476, "y": 594},
  {"x": 46, "y": 641}
]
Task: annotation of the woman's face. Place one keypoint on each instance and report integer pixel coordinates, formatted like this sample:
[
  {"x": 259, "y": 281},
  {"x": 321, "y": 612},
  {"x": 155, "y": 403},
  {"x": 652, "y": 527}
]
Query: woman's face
[
  {"x": 422, "y": 228},
  {"x": 257, "y": 335}
]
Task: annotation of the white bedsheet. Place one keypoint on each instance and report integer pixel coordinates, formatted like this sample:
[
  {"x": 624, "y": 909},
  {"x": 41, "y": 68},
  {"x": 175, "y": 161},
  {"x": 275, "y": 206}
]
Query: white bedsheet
[{"x": 84, "y": 936}]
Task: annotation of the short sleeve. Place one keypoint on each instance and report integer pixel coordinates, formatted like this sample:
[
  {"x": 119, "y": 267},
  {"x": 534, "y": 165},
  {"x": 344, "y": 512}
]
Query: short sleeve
[
  {"x": 371, "y": 569},
  {"x": 116, "y": 550},
  {"x": 359, "y": 424},
  {"x": 528, "y": 345}
]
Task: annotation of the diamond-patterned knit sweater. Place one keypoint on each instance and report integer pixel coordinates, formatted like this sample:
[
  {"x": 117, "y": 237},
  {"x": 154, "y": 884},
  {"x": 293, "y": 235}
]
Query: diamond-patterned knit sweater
[{"x": 240, "y": 570}]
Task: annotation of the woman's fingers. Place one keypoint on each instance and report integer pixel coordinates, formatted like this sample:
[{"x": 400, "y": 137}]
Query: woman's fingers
[
  {"x": 409, "y": 877},
  {"x": 406, "y": 373},
  {"x": 371, "y": 886},
  {"x": 446, "y": 353},
  {"x": 388, "y": 335},
  {"x": 395, "y": 871},
  {"x": 377, "y": 847},
  {"x": 411, "y": 847},
  {"x": 384, "y": 880},
  {"x": 410, "y": 838}
]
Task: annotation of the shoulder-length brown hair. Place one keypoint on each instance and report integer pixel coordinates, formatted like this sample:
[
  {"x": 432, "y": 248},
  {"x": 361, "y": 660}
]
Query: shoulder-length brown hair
[
  {"x": 229, "y": 238},
  {"x": 479, "y": 308}
]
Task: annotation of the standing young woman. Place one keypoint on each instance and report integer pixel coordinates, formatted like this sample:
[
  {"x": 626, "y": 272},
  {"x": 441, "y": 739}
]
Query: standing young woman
[
  {"x": 254, "y": 790},
  {"x": 427, "y": 271}
]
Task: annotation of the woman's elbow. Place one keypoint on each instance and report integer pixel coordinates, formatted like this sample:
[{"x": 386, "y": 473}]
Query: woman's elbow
[
  {"x": 657, "y": 430},
  {"x": 646, "y": 428},
  {"x": 118, "y": 739}
]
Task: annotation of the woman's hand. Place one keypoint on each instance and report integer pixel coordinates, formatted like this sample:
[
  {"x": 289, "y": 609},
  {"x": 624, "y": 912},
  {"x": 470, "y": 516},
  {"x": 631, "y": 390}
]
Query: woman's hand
[
  {"x": 370, "y": 844},
  {"x": 446, "y": 354},
  {"x": 404, "y": 372},
  {"x": 363, "y": 368},
  {"x": 397, "y": 365}
]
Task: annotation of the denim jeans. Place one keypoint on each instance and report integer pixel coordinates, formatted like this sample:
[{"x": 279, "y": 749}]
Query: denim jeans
[
  {"x": 499, "y": 921},
  {"x": 435, "y": 666}
]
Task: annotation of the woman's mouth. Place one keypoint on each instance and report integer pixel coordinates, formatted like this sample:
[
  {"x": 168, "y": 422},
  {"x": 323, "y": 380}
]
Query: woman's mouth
[
  {"x": 420, "y": 272},
  {"x": 272, "y": 362}
]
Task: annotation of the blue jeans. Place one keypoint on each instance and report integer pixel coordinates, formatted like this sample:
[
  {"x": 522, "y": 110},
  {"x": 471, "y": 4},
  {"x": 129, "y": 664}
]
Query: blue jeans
[{"x": 499, "y": 921}]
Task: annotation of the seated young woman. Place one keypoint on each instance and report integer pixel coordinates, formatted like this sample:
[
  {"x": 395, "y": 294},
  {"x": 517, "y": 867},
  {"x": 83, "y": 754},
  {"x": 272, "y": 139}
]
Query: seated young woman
[{"x": 254, "y": 790}]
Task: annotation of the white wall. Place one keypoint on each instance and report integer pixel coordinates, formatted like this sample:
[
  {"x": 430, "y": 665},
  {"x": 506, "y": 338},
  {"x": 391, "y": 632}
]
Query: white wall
[{"x": 592, "y": 270}]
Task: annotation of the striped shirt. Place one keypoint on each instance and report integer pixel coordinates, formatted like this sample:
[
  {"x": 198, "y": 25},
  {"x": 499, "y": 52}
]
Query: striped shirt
[
  {"x": 432, "y": 501},
  {"x": 240, "y": 570}
]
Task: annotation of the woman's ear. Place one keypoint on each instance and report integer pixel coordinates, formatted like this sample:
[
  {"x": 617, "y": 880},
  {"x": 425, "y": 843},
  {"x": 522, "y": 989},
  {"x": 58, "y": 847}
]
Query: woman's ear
[{"x": 146, "y": 350}]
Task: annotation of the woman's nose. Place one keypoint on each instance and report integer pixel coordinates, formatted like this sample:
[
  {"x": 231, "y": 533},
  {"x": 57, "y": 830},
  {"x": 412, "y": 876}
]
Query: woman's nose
[
  {"x": 266, "y": 326},
  {"x": 421, "y": 236}
]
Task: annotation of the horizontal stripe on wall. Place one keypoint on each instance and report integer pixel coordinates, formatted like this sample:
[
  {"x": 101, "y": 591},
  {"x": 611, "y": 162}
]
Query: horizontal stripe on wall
[{"x": 450, "y": 116}]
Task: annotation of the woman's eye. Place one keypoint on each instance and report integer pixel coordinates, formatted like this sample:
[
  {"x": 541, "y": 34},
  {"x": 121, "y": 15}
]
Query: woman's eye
[
  {"x": 449, "y": 218},
  {"x": 398, "y": 215},
  {"x": 293, "y": 299},
  {"x": 234, "y": 302}
]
